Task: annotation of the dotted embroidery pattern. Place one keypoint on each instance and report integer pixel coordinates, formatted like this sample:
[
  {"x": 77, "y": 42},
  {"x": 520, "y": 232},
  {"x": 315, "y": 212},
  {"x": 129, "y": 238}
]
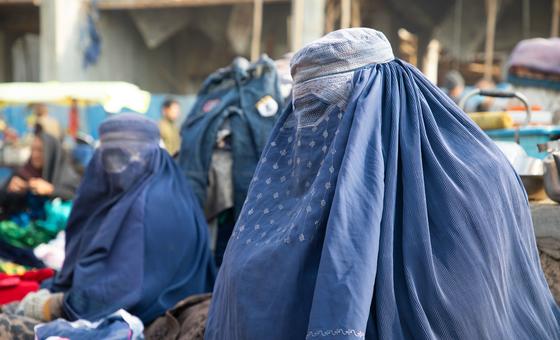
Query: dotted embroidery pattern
[{"x": 291, "y": 191}]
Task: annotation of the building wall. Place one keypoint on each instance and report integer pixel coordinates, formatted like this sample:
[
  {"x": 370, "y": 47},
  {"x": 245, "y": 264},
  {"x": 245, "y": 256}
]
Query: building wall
[
  {"x": 178, "y": 65},
  {"x": 124, "y": 56}
]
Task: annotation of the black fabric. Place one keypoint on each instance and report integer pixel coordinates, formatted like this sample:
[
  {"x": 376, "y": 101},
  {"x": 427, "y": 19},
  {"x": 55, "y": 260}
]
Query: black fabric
[{"x": 24, "y": 257}]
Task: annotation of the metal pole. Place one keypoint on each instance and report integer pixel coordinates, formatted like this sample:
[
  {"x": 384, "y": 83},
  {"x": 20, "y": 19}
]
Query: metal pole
[
  {"x": 356, "y": 13},
  {"x": 346, "y": 13},
  {"x": 457, "y": 29},
  {"x": 555, "y": 18},
  {"x": 257, "y": 29},
  {"x": 491, "y": 15},
  {"x": 297, "y": 24},
  {"x": 526, "y": 18}
]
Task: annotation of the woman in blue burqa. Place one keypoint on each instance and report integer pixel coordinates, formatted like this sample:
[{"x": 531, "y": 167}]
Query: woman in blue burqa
[
  {"x": 380, "y": 211},
  {"x": 136, "y": 238}
]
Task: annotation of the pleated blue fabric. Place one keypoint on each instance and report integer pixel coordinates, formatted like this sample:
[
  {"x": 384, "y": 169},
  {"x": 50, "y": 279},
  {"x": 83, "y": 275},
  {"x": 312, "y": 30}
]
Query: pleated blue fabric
[{"x": 385, "y": 215}]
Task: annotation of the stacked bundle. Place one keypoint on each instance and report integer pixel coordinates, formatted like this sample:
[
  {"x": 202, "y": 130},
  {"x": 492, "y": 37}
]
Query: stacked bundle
[
  {"x": 30, "y": 229},
  {"x": 224, "y": 136}
]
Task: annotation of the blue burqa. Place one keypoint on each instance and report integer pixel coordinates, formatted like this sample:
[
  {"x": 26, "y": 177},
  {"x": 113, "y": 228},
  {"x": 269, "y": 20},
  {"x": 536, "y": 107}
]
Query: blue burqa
[
  {"x": 136, "y": 238},
  {"x": 380, "y": 211}
]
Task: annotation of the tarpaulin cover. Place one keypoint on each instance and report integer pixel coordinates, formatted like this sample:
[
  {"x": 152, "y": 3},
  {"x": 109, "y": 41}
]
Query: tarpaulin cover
[{"x": 389, "y": 215}]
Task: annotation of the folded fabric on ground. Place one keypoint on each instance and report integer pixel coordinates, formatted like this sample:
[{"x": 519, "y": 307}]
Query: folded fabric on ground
[
  {"x": 118, "y": 326},
  {"x": 24, "y": 257},
  {"x": 185, "y": 321},
  {"x": 379, "y": 210},
  {"x": 52, "y": 253},
  {"x": 11, "y": 268},
  {"x": 16, "y": 287},
  {"x": 24, "y": 232}
]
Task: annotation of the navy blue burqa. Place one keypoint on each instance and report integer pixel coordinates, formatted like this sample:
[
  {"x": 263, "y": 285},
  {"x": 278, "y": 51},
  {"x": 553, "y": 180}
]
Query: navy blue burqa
[
  {"x": 136, "y": 238},
  {"x": 379, "y": 210}
]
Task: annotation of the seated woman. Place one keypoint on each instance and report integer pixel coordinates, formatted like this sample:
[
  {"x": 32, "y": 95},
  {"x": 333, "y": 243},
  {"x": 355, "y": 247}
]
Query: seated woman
[
  {"x": 379, "y": 211},
  {"x": 136, "y": 238},
  {"x": 48, "y": 173}
]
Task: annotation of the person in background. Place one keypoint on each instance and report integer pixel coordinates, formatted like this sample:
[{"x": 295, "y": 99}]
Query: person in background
[
  {"x": 454, "y": 85},
  {"x": 47, "y": 173},
  {"x": 49, "y": 124},
  {"x": 169, "y": 132}
]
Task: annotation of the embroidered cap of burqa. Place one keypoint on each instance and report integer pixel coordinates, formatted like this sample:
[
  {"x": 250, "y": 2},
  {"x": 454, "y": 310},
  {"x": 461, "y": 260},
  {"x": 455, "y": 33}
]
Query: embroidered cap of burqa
[{"x": 379, "y": 210}]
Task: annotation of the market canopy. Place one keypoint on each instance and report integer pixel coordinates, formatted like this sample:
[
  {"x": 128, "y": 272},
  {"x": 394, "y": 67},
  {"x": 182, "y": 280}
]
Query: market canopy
[{"x": 113, "y": 96}]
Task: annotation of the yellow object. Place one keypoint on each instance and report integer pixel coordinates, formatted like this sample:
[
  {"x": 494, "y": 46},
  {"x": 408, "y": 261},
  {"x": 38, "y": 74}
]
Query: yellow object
[
  {"x": 113, "y": 96},
  {"x": 11, "y": 268},
  {"x": 492, "y": 120},
  {"x": 170, "y": 136}
]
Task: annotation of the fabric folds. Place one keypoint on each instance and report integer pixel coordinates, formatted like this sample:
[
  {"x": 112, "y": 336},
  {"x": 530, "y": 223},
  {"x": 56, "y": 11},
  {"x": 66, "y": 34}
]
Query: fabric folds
[{"x": 390, "y": 215}]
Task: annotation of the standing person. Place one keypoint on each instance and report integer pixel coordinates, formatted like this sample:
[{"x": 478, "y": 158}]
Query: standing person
[
  {"x": 49, "y": 124},
  {"x": 379, "y": 210},
  {"x": 170, "y": 112},
  {"x": 48, "y": 174}
]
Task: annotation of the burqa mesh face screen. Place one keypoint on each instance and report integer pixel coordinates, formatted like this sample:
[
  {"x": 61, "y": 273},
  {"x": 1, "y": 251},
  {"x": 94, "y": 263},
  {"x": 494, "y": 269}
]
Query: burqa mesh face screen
[{"x": 126, "y": 150}]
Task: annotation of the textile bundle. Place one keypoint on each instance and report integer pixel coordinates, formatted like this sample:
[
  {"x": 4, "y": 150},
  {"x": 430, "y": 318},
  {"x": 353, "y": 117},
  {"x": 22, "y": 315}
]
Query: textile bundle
[
  {"x": 16, "y": 287},
  {"x": 244, "y": 96},
  {"x": 25, "y": 232}
]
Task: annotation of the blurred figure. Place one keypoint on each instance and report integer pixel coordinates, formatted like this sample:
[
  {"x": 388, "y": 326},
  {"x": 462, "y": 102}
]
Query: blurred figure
[
  {"x": 9, "y": 135},
  {"x": 480, "y": 103},
  {"x": 534, "y": 70},
  {"x": 47, "y": 173},
  {"x": 49, "y": 124},
  {"x": 486, "y": 103},
  {"x": 83, "y": 152},
  {"x": 454, "y": 84},
  {"x": 170, "y": 111}
]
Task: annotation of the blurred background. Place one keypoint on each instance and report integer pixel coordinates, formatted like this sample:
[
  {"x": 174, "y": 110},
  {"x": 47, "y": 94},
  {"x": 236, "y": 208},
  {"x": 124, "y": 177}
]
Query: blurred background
[{"x": 168, "y": 47}]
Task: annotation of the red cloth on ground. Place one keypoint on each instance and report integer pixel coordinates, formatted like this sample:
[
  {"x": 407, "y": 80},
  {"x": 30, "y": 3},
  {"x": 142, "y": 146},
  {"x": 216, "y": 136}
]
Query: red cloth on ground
[{"x": 16, "y": 287}]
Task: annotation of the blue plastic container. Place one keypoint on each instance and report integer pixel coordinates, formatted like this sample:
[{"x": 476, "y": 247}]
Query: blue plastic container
[{"x": 529, "y": 137}]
